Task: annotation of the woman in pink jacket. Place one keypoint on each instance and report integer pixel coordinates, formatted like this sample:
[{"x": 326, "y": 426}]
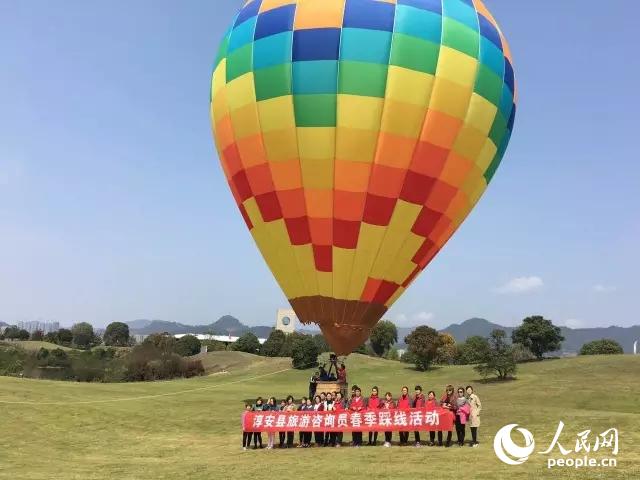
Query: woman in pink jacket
[{"x": 462, "y": 414}]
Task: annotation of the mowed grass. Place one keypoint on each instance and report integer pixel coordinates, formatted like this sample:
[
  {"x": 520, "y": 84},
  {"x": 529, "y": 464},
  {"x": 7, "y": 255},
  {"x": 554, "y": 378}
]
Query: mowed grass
[
  {"x": 34, "y": 345},
  {"x": 190, "y": 429}
]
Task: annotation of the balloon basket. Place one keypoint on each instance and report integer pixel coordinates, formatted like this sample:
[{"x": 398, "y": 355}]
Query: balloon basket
[{"x": 332, "y": 387}]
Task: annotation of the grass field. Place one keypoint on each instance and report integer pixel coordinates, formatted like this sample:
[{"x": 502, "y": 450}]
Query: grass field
[
  {"x": 190, "y": 429},
  {"x": 33, "y": 345}
]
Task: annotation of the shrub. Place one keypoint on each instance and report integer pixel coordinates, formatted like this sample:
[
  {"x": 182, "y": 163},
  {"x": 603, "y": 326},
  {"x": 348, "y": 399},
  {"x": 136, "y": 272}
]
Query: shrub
[
  {"x": 473, "y": 350},
  {"x": 187, "y": 346},
  {"x": 392, "y": 354},
  {"x": 248, "y": 343},
  {"x": 272, "y": 347},
  {"x": 604, "y": 346},
  {"x": 117, "y": 334}
]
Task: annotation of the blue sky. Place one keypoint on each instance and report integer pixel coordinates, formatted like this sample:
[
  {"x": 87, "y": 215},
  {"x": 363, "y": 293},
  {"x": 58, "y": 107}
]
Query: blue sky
[{"x": 113, "y": 205}]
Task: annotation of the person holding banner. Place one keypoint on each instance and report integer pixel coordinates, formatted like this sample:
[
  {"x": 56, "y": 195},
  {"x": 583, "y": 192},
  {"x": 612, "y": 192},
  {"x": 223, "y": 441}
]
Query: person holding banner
[
  {"x": 246, "y": 436},
  {"x": 356, "y": 405},
  {"x": 329, "y": 437},
  {"x": 404, "y": 402},
  {"x": 388, "y": 404},
  {"x": 318, "y": 406},
  {"x": 373, "y": 403},
  {"x": 290, "y": 407},
  {"x": 339, "y": 406},
  {"x": 418, "y": 402},
  {"x": 448, "y": 402},
  {"x": 430, "y": 405},
  {"x": 282, "y": 435},
  {"x": 271, "y": 406}
]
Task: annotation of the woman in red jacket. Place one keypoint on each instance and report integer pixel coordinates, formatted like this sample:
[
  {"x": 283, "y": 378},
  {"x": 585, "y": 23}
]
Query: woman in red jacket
[
  {"x": 448, "y": 402},
  {"x": 339, "y": 406},
  {"x": 404, "y": 402},
  {"x": 357, "y": 405},
  {"x": 388, "y": 404},
  {"x": 373, "y": 404},
  {"x": 430, "y": 405}
]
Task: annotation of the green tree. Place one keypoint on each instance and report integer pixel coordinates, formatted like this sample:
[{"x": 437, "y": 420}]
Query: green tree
[
  {"x": 272, "y": 347},
  {"x": 187, "y": 346},
  {"x": 64, "y": 337},
  {"x": 23, "y": 335},
  {"x": 37, "y": 336},
  {"x": 321, "y": 343},
  {"x": 383, "y": 335},
  {"x": 11, "y": 332},
  {"x": 392, "y": 354},
  {"x": 603, "y": 346},
  {"x": 248, "y": 343},
  {"x": 499, "y": 359},
  {"x": 304, "y": 353},
  {"x": 473, "y": 350},
  {"x": 290, "y": 339},
  {"x": 539, "y": 335},
  {"x": 423, "y": 345},
  {"x": 447, "y": 349},
  {"x": 83, "y": 335},
  {"x": 116, "y": 335},
  {"x": 162, "y": 341}
]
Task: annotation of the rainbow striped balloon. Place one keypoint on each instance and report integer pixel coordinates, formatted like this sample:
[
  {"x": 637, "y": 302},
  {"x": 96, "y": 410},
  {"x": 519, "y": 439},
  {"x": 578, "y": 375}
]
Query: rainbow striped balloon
[{"x": 356, "y": 136}]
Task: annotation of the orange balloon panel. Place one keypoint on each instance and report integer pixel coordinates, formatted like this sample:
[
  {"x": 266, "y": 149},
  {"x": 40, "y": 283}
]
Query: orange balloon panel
[{"x": 356, "y": 136}]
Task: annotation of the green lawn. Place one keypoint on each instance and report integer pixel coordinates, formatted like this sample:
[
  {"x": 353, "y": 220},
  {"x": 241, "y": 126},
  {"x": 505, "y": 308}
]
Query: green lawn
[
  {"x": 33, "y": 345},
  {"x": 190, "y": 429}
]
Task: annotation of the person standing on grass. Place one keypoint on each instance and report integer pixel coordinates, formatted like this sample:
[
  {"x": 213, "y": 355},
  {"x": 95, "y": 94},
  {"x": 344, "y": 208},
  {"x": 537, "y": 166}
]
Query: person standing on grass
[
  {"x": 339, "y": 406},
  {"x": 373, "y": 403},
  {"x": 301, "y": 435},
  {"x": 246, "y": 436},
  {"x": 404, "y": 402},
  {"x": 462, "y": 413},
  {"x": 290, "y": 407},
  {"x": 257, "y": 436},
  {"x": 448, "y": 402},
  {"x": 329, "y": 437},
  {"x": 271, "y": 406},
  {"x": 388, "y": 404},
  {"x": 474, "y": 414},
  {"x": 418, "y": 402},
  {"x": 357, "y": 405},
  {"x": 282, "y": 435},
  {"x": 318, "y": 406},
  {"x": 430, "y": 405}
]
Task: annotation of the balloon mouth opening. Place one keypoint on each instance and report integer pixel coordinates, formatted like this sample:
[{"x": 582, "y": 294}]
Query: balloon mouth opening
[{"x": 345, "y": 324}]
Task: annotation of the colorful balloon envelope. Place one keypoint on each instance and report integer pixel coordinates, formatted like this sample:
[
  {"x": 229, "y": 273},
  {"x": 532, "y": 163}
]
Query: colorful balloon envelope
[{"x": 356, "y": 136}]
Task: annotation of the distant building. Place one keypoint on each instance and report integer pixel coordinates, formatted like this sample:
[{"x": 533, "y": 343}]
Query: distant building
[
  {"x": 44, "y": 327},
  {"x": 286, "y": 320}
]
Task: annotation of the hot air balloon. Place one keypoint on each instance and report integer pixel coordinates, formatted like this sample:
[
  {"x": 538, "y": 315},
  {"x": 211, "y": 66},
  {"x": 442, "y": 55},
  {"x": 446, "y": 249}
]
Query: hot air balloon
[{"x": 356, "y": 136}]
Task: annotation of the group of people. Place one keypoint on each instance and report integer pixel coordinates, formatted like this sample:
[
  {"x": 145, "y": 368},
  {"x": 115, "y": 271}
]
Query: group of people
[{"x": 464, "y": 404}]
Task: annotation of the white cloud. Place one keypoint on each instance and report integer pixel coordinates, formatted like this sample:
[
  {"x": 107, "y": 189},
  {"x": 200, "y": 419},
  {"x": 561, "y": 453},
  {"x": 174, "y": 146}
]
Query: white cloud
[
  {"x": 574, "y": 323},
  {"x": 419, "y": 318},
  {"x": 520, "y": 285},
  {"x": 604, "y": 288}
]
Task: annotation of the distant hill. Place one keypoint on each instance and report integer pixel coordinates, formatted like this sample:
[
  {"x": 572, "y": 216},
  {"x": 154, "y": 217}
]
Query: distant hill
[
  {"x": 574, "y": 338},
  {"x": 2, "y": 324},
  {"x": 225, "y": 325}
]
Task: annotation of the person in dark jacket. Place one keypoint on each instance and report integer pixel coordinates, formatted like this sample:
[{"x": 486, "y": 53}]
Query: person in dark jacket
[
  {"x": 418, "y": 401},
  {"x": 448, "y": 402},
  {"x": 257, "y": 436}
]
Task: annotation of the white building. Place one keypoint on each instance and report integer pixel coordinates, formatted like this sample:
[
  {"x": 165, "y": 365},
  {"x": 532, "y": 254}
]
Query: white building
[
  {"x": 44, "y": 327},
  {"x": 217, "y": 338},
  {"x": 286, "y": 320}
]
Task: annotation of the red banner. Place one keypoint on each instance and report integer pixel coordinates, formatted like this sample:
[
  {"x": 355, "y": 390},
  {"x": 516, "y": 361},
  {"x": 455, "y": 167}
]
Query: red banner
[{"x": 382, "y": 420}]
